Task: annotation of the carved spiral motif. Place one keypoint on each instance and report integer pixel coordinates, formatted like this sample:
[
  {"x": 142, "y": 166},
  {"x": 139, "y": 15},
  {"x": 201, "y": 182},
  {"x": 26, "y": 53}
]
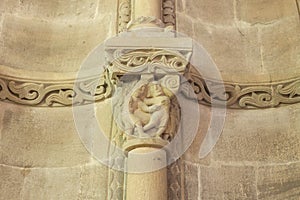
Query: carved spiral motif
[
  {"x": 135, "y": 60},
  {"x": 172, "y": 83},
  {"x": 54, "y": 94},
  {"x": 245, "y": 96}
]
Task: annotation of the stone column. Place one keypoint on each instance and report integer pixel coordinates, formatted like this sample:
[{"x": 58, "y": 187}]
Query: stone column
[
  {"x": 146, "y": 13},
  {"x": 147, "y": 185},
  {"x": 147, "y": 8},
  {"x": 147, "y": 110}
]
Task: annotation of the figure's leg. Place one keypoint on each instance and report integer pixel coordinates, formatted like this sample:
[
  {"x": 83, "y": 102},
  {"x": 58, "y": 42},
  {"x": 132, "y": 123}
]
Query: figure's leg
[
  {"x": 140, "y": 129},
  {"x": 149, "y": 126}
]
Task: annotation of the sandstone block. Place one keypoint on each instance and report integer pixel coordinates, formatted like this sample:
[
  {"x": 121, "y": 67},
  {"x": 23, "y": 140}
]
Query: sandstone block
[
  {"x": 11, "y": 183},
  {"x": 93, "y": 182},
  {"x": 228, "y": 182},
  {"x": 279, "y": 182},
  {"x": 192, "y": 153},
  {"x": 281, "y": 49},
  {"x": 57, "y": 184},
  {"x": 180, "y": 6},
  {"x": 235, "y": 51},
  {"x": 265, "y": 11},
  {"x": 191, "y": 184},
  {"x": 185, "y": 24},
  {"x": 40, "y": 137},
  {"x": 259, "y": 135},
  {"x": 211, "y": 11},
  {"x": 38, "y": 45},
  {"x": 60, "y": 11}
]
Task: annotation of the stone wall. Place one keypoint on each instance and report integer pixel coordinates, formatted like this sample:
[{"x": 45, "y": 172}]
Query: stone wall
[
  {"x": 53, "y": 36},
  {"x": 251, "y": 41},
  {"x": 258, "y": 153},
  {"x": 41, "y": 155},
  {"x": 257, "y": 37}
]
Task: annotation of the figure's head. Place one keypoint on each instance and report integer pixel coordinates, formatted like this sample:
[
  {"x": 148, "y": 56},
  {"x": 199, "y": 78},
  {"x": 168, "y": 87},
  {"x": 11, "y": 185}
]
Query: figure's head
[
  {"x": 140, "y": 93},
  {"x": 155, "y": 90}
]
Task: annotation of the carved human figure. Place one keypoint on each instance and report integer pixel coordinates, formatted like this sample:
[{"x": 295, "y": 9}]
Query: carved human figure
[
  {"x": 149, "y": 108},
  {"x": 140, "y": 110},
  {"x": 161, "y": 104}
]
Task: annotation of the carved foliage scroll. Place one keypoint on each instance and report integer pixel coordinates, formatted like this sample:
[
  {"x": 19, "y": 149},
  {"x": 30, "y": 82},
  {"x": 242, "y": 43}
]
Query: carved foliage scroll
[
  {"x": 65, "y": 93},
  {"x": 245, "y": 96},
  {"x": 169, "y": 17},
  {"x": 124, "y": 15},
  {"x": 132, "y": 61}
]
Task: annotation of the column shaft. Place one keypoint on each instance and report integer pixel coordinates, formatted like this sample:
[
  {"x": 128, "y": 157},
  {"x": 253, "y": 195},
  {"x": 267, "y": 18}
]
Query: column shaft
[
  {"x": 147, "y": 8},
  {"x": 146, "y": 186}
]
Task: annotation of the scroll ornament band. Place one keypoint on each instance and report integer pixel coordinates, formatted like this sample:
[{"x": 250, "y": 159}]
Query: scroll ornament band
[
  {"x": 132, "y": 61},
  {"x": 245, "y": 96},
  {"x": 95, "y": 89},
  {"x": 55, "y": 94}
]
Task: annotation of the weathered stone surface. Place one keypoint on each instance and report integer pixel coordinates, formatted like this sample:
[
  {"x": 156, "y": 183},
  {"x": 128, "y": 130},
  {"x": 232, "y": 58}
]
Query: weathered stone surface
[
  {"x": 59, "y": 10},
  {"x": 279, "y": 182},
  {"x": 253, "y": 44},
  {"x": 85, "y": 182},
  {"x": 227, "y": 182},
  {"x": 235, "y": 51},
  {"x": 93, "y": 182},
  {"x": 57, "y": 183},
  {"x": 185, "y": 24},
  {"x": 35, "y": 137},
  {"x": 281, "y": 49},
  {"x": 260, "y": 136},
  {"x": 11, "y": 183},
  {"x": 34, "y": 44},
  {"x": 53, "y": 9},
  {"x": 191, "y": 182},
  {"x": 192, "y": 153},
  {"x": 211, "y": 11},
  {"x": 180, "y": 6},
  {"x": 265, "y": 11}
]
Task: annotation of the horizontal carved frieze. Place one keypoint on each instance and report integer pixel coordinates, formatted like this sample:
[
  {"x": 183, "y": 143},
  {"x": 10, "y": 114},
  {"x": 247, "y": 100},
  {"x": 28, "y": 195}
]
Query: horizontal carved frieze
[
  {"x": 137, "y": 60},
  {"x": 67, "y": 93},
  {"x": 54, "y": 94},
  {"x": 245, "y": 96}
]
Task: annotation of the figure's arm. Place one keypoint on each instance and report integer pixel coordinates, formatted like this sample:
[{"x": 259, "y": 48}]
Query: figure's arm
[{"x": 144, "y": 107}]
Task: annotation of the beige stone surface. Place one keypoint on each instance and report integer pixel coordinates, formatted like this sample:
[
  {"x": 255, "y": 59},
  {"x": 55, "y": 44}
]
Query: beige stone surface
[
  {"x": 38, "y": 137},
  {"x": 265, "y": 11},
  {"x": 11, "y": 183},
  {"x": 57, "y": 183},
  {"x": 53, "y": 36},
  {"x": 191, "y": 181},
  {"x": 258, "y": 153},
  {"x": 279, "y": 182},
  {"x": 146, "y": 185},
  {"x": 250, "y": 41},
  {"x": 257, "y": 149},
  {"x": 264, "y": 136},
  {"x": 82, "y": 182},
  {"x": 211, "y": 11},
  {"x": 281, "y": 49},
  {"x": 238, "y": 50},
  {"x": 227, "y": 182},
  {"x": 192, "y": 153}
]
